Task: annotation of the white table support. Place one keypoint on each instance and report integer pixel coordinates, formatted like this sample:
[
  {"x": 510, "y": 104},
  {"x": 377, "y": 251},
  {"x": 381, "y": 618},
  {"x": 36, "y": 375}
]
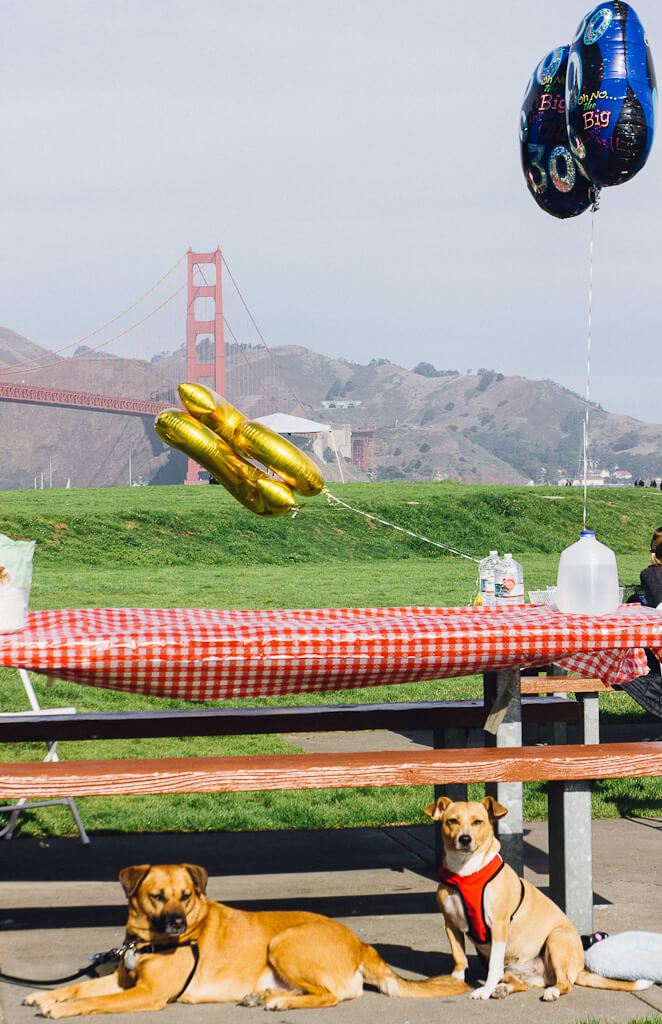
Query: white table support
[{"x": 14, "y": 810}]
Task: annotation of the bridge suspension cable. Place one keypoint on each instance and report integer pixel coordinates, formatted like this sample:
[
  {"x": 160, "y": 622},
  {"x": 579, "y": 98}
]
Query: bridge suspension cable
[{"x": 25, "y": 363}]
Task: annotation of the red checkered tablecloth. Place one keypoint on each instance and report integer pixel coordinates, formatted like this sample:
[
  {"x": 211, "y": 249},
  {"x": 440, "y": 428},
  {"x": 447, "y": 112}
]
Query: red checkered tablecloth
[{"x": 195, "y": 654}]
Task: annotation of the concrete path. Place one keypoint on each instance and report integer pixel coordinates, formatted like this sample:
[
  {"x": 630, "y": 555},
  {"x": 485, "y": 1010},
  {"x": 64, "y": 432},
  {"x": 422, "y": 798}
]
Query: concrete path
[{"x": 60, "y": 901}]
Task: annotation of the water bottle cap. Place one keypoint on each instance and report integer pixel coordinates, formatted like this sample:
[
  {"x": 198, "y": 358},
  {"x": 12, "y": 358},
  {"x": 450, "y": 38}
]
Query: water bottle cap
[{"x": 587, "y": 533}]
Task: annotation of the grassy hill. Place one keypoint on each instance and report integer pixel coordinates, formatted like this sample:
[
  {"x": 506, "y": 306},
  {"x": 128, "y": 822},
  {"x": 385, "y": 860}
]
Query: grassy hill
[{"x": 203, "y": 525}]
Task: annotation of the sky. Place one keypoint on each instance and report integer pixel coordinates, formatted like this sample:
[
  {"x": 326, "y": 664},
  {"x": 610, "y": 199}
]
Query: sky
[{"x": 358, "y": 163}]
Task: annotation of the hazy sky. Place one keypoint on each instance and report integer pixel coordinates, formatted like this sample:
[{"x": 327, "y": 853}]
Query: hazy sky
[{"x": 357, "y": 162}]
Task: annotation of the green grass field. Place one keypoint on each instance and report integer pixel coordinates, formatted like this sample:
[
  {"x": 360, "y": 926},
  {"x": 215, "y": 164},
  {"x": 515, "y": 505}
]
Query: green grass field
[{"x": 196, "y": 547}]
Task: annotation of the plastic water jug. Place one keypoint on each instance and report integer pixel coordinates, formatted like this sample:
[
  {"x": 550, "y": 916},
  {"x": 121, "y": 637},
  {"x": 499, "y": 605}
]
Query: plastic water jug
[
  {"x": 587, "y": 581},
  {"x": 486, "y": 580},
  {"x": 508, "y": 582}
]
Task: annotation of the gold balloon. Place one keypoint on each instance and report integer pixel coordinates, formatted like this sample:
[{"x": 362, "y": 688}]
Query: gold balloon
[
  {"x": 211, "y": 409},
  {"x": 252, "y": 439},
  {"x": 258, "y": 492},
  {"x": 256, "y": 441}
]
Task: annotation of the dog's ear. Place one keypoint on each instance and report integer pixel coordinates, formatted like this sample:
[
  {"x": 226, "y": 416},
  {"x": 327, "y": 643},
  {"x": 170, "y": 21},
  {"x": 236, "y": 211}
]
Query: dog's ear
[
  {"x": 494, "y": 809},
  {"x": 199, "y": 876},
  {"x": 132, "y": 877},
  {"x": 436, "y": 810}
]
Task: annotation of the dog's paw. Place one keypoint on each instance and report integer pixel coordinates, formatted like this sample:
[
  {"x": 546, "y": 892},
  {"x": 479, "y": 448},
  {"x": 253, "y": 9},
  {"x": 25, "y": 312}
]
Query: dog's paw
[
  {"x": 550, "y": 994},
  {"x": 501, "y": 991},
  {"x": 252, "y": 999},
  {"x": 54, "y": 1010},
  {"x": 459, "y": 974},
  {"x": 481, "y": 993},
  {"x": 42, "y": 1000}
]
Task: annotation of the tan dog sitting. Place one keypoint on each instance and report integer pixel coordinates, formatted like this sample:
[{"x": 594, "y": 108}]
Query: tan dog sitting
[
  {"x": 180, "y": 946},
  {"x": 522, "y": 935}
]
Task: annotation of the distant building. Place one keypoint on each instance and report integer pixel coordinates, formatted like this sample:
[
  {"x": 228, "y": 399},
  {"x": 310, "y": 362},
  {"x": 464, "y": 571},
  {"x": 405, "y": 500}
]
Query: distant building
[{"x": 622, "y": 476}]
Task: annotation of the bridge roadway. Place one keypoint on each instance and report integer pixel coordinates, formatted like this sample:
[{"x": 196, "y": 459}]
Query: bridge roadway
[{"x": 38, "y": 395}]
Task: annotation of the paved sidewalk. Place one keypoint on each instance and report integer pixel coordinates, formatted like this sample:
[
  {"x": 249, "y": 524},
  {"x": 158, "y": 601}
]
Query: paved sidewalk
[{"x": 60, "y": 901}]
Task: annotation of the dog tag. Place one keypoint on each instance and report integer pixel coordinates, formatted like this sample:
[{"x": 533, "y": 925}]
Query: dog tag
[{"x": 131, "y": 958}]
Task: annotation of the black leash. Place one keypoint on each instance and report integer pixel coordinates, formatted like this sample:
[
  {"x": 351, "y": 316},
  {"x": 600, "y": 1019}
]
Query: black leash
[{"x": 111, "y": 956}]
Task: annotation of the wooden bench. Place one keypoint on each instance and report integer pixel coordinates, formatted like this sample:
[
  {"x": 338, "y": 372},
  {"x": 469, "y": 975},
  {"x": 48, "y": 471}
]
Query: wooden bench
[{"x": 418, "y": 767}]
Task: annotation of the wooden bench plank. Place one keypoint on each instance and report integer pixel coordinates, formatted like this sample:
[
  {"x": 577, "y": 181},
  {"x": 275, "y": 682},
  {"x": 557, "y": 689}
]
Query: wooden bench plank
[
  {"x": 313, "y": 771},
  {"x": 562, "y": 684},
  {"x": 39, "y": 726}
]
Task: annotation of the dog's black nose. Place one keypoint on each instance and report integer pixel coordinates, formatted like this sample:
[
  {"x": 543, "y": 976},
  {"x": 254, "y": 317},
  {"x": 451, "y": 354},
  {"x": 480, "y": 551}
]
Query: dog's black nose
[
  {"x": 464, "y": 839},
  {"x": 174, "y": 924}
]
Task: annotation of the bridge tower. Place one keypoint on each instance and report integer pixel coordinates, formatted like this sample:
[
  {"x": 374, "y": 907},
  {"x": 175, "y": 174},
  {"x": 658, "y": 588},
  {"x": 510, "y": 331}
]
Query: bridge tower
[{"x": 205, "y": 341}]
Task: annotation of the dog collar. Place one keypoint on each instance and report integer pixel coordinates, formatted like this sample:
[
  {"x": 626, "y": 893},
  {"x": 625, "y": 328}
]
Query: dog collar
[{"x": 471, "y": 889}]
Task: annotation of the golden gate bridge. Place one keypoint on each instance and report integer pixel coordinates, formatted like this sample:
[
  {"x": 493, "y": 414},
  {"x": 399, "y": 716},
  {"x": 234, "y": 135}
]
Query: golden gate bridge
[{"x": 177, "y": 330}]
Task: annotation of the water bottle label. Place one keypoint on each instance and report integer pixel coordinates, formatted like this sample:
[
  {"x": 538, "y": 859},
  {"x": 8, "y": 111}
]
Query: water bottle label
[{"x": 510, "y": 588}]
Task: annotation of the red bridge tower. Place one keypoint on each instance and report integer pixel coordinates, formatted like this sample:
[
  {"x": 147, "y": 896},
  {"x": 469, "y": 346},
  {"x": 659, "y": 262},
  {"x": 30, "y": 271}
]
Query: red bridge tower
[{"x": 204, "y": 333}]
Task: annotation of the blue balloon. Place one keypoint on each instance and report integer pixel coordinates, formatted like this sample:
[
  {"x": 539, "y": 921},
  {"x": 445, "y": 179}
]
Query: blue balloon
[
  {"x": 557, "y": 184},
  {"x": 611, "y": 94}
]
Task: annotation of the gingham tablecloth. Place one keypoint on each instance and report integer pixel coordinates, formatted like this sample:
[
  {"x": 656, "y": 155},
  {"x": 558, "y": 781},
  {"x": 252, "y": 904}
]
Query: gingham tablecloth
[{"x": 194, "y": 654}]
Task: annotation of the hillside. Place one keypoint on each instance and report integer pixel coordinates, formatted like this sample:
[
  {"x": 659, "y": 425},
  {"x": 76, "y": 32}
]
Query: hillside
[
  {"x": 88, "y": 448},
  {"x": 480, "y": 428},
  {"x": 429, "y": 425},
  {"x": 203, "y": 526}
]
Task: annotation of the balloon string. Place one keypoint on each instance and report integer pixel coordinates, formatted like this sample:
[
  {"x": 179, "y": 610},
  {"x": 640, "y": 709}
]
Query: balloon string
[
  {"x": 332, "y": 499},
  {"x": 594, "y": 208}
]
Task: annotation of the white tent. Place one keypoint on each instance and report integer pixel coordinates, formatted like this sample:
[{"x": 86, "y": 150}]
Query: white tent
[{"x": 283, "y": 423}]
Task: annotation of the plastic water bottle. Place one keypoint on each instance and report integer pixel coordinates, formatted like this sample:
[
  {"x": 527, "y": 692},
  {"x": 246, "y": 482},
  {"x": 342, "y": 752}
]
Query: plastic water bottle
[
  {"x": 508, "y": 582},
  {"x": 587, "y": 581},
  {"x": 486, "y": 580}
]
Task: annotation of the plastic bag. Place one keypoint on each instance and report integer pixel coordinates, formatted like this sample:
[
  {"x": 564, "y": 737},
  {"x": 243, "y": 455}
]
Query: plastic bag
[
  {"x": 630, "y": 956},
  {"x": 15, "y": 582}
]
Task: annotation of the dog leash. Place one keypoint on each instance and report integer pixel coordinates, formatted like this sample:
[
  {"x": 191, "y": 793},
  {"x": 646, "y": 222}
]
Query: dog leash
[{"x": 110, "y": 956}]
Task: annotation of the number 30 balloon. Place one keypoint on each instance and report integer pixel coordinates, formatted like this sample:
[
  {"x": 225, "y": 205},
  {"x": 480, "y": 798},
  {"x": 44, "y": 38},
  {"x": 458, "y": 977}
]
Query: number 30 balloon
[
  {"x": 611, "y": 94},
  {"x": 217, "y": 436},
  {"x": 556, "y": 183}
]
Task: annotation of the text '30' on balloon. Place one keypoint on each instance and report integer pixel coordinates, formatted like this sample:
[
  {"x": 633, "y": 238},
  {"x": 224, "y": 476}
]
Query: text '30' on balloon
[{"x": 556, "y": 182}]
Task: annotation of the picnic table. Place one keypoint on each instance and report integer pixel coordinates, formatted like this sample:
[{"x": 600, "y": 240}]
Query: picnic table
[
  {"x": 200, "y": 654},
  {"x": 203, "y": 655}
]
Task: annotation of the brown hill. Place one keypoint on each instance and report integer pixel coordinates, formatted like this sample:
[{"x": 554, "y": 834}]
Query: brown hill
[
  {"x": 480, "y": 428},
  {"x": 88, "y": 448},
  {"x": 428, "y": 424}
]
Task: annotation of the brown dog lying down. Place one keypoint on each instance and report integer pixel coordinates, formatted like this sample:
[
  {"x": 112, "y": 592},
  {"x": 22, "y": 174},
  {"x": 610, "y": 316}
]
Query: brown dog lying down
[
  {"x": 181, "y": 946},
  {"x": 526, "y": 939}
]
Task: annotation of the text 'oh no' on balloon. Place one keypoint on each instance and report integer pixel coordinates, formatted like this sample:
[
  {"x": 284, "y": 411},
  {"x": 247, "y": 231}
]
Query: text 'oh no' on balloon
[{"x": 221, "y": 440}]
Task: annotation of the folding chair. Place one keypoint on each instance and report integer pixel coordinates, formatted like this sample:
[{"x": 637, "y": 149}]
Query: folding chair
[{"x": 22, "y": 805}]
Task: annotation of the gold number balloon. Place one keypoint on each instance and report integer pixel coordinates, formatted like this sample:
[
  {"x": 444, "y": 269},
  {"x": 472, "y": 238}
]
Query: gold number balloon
[{"x": 217, "y": 436}]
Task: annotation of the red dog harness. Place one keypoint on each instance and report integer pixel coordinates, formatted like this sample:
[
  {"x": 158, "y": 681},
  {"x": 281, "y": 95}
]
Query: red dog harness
[{"x": 472, "y": 889}]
